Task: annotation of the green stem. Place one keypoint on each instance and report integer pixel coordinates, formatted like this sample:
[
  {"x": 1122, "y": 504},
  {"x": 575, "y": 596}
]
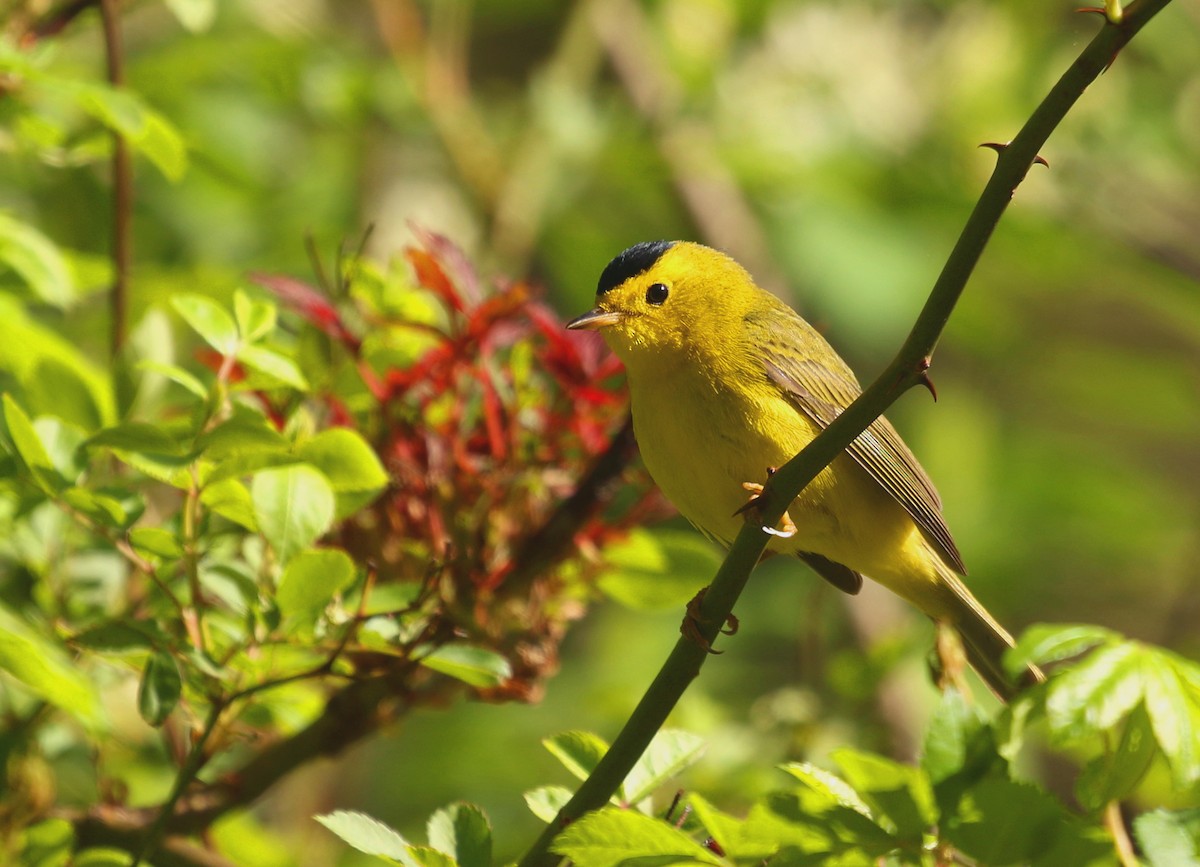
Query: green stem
[{"x": 906, "y": 370}]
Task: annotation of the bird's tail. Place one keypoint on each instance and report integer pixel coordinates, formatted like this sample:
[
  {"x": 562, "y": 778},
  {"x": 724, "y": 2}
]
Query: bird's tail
[{"x": 984, "y": 639}]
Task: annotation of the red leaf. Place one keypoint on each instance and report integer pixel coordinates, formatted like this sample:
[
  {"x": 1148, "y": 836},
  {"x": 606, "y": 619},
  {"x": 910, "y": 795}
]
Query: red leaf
[
  {"x": 310, "y": 303},
  {"x": 430, "y": 275}
]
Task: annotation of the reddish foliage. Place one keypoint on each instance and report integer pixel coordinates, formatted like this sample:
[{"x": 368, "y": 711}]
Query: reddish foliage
[{"x": 486, "y": 435}]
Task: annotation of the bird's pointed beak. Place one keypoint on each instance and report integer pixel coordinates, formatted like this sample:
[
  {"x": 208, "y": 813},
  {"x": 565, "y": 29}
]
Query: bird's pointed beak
[{"x": 595, "y": 319}]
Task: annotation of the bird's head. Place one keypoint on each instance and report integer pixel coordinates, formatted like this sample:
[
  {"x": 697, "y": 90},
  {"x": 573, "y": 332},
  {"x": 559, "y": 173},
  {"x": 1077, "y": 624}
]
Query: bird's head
[{"x": 668, "y": 298}]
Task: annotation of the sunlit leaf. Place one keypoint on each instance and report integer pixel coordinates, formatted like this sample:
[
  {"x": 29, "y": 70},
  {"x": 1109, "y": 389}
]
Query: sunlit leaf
[
  {"x": 208, "y": 319},
  {"x": 899, "y": 792},
  {"x": 1044, "y": 643},
  {"x": 176, "y": 374},
  {"x": 476, "y": 666},
  {"x": 255, "y": 318},
  {"x": 545, "y": 801},
  {"x": 609, "y": 837},
  {"x": 36, "y": 261},
  {"x": 463, "y": 832},
  {"x": 311, "y": 579},
  {"x": 293, "y": 506},
  {"x": 368, "y": 835},
  {"x": 669, "y": 753},
  {"x": 274, "y": 365},
  {"x": 1113, "y": 775},
  {"x": 579, "y": 751},
  {"x": 45, "y": 668},
  {"x": 30, "y": 449},
  {"x": 350, "y": 464},
  {"x": 1169, "y": 839}
]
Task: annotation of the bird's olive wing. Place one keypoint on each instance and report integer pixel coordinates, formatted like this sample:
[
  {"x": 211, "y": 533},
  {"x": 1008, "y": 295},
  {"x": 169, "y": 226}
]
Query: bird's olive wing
[{"x": 822, "y": 393}]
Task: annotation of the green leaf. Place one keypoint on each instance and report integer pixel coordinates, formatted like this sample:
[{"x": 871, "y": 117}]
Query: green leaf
[
  {"x": 368, "y": 835},
  {"x": 155, "y": 542},
  {"x": 45, "y": 668},
  {"x": 833, "y": 788},
  {"x": 243, "y": 433},
  {"x": 120, "y": 636},
  {"x": 37, "y": 261},
  {"x": 29, "y": 448},
  {"x": 669, "y": 753},
  {"x": 1169, "y": 839},
  {"x": 427, "y": 856},
  {"x": 725, "y": 829},
  {"x": 139, "y": 438},
  {"x": 310, "y": 581},
  {"x": 60, "y": 389},
  {"x": 1001, "y": 821},
  {"x": 545, "y": 801},
  {"x": 102, "y": 857},
  {"x": 230, "y": 499},
  {"x": 1113, "y": 775},
  {"x": 1094, "y": 694},
  {"x": 177, "y": 375},
  {"x": 1044, "y": 643},
  {"x": 462, "y": 831},
  {"x": 209, "y": 320},
  {"x": 62, "y": 441},
  {"x": 48, "y": 844},
  {"x": 1172, "y": 694},
  {"x": 579, "y": 751},
  {"x": 812, "y": 819},
  {"x": 350, "y": 464},
  {"x": 146, "y": 130},
  {"x": 899, "y": 792},
  {"x": 954, "y": 736},
  {"x": 656, "y": 570},
  {"x": 293, "y": 506},
  {"x": 274, "y": 365},
  {"x": 255, "y": 318},
  {"x": 473, "y": 665},
  {"x": 105, "y": 510},
  {"x": 609, "y": 837},
  {"x": 160, "y": 688}
]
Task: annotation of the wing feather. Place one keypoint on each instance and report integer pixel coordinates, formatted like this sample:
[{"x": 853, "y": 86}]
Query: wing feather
[{"x": 821, "y": 391}]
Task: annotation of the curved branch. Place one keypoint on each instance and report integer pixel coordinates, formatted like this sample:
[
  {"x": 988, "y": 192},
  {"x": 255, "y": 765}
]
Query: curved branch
[{"x": 906, "y": 370}]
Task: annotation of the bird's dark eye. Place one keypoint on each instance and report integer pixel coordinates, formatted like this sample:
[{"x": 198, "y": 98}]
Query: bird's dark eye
[{"x": 657, "y": 294}]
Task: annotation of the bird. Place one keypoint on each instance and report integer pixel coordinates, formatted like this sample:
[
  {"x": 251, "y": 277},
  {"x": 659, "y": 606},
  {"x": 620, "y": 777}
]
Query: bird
[{"x": 727, "y": 383}]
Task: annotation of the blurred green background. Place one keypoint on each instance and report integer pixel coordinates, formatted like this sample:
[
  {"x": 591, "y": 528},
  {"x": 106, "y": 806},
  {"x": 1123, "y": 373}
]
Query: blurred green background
[{"x": 832, "y": 148}]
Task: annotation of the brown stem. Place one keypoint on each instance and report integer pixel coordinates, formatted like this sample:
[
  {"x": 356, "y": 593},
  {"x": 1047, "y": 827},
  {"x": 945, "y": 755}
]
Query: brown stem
[
  {"x": 122, "y": 173},
  {"x": 551, "y": 542}
]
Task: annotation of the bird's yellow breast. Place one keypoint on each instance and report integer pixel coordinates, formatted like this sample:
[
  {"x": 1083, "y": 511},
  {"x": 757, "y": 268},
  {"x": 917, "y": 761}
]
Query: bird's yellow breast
[{"x": 702, "y": 439}]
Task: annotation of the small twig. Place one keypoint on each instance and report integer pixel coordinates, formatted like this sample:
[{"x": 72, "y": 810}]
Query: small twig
[
  {"x": 195, "y": 761},
  {"x": 555, "y": 538},
  {"x": 1115, "y": 823},
  {"x": 54, "y": 22},
  {"x": 122, "y": 173}
]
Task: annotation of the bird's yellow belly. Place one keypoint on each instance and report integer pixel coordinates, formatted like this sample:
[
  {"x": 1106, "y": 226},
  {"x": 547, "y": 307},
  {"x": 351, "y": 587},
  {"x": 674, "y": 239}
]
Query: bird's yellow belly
[{"x": 700, "y": 448}]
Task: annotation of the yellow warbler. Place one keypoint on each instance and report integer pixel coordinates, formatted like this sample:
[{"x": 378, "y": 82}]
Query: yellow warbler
[{"x": 727, "y": 383}]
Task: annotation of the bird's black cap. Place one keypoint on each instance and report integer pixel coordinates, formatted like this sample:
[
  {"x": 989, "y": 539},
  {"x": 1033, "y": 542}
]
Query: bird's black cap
[{"x": 637, "y": 259}]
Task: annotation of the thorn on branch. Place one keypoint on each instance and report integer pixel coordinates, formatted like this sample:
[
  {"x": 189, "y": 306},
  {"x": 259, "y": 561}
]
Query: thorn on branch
[
  {"x": 690, "y": 627},
  {"x": 1111, "y": 10},
  {"x": 928, "y": 383},
  {"x": 999, "y": 146}
]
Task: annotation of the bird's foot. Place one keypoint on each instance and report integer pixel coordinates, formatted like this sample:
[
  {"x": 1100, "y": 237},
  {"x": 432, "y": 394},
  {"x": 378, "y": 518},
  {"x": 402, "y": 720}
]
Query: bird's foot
[
  {"x": 787, "y": 527},
  {"x": 690, "y": 627}
]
